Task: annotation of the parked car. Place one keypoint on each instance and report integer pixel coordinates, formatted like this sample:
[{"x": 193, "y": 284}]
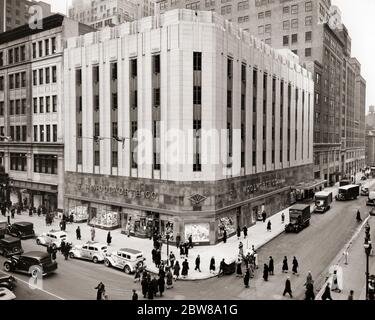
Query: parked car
[
  {"x": 23, "y": 230},
  {"x": 94, "y": 251},
  {"x": 372, "y": 211},
  {"x": 53, "y": 237},
  {"x": 125, "y": 259},
  {"x": 8, "y": 282},
  {"x": 6, "y": 294},
  {"x": 363, "y": 178},
  {"x": 33, "y": 263},
  {"x": 10, "y": 245}
]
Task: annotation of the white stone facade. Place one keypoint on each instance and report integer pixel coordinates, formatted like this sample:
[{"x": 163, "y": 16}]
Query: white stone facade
[{"x": 176, "y": 35}]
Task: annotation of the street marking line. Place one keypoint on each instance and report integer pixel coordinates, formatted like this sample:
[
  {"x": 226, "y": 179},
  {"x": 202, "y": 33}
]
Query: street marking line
[{"x": 25, "y": 282}]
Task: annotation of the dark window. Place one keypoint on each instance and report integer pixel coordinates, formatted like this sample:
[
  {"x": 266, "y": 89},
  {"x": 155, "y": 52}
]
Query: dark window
[
  {"x": 18, "y": 133},
  {"x": 308, "y": 36},
  {"x": 34, "y": 50},
  {"x": 1, "y": 83},
  {"x": 23, "y": 79},
  {"x": 35, "y": 105},
  {"x": 197, "y": 61},
  {"x": 23, "y": 53},
  {"x": 1, "y": 108},
  {"x": 41, "y": 133},
  {"x": 35, "y": 133},
  {"x": 35, "y": 78},
  {"x": 95, "y": 74},
  {"x": 18, "y": 106},
  {"x": 54, "y": 74},
  {"x": 11, "y": 81},
  {"x": 11, "y": 107},
  {"x": 41, "y": 105},
  {"x": 17, "y": 81},
  {"x": 133, "y": 64},
  {"x": 294, "y": 38},
  {"x": 156, "y": 63},
  {"x": 40, "y": 44},
  {"x": 48, "y": 104},
  {"x": 243, "y": 102},
  {"x": 96, "y": 129},
  {"x": 79, "y": 130},
  {"x": 78, "y": 77},
  {"x": 10, "y": 56},
  {"x": 23, "y": 106},
  {"x": 243, "y": 73},
  {"x": 285, "y": 40},
  {"x": 54, "y": 103},
  {"x": 53, "y": 41},
  {"x": 18, "y": 161},
  {"x": 308, "y": 52},
  {"x": 54, "y": 132},
  {"x": 197, "y": 95},
  {"x": 79, "y": 156},
  {"x": 114, "y": 70},
  {"x": 48, "y": 133},
  {"x": 156, "y": 161},
  {"x": 40, "y": 76},
  {"x": 114, "y": 159},
  {"x": 16, "y": 55},
  {"x": 45, "y": 163},
  {"x": 229, "y": 99},
  {"x": 156, "y": 97},
  {"x": 46, "y": 46},
  {"x": 96, "y": 102},
  {"x": 96, "y": 158},
  {"x": 230, "y": 68},
  {"x": 114, "y": 101},
  {"x": 114, "y": 129},
  {"x": 47, "y": 75}
]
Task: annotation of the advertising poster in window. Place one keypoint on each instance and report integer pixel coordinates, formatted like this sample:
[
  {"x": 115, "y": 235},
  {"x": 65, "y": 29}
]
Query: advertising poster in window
[
  {"x": 228, "y": 223},
  {"x": 200, "y": 231}
]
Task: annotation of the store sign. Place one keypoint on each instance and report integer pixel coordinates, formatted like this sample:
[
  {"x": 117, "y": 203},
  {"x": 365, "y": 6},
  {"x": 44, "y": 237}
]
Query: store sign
[
  {"x": 129, "y": 193},
  {"x": 265, "y": 185}
]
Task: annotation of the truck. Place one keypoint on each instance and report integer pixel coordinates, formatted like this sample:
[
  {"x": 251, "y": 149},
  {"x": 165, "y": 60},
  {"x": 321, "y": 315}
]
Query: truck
[
  {"x": 371, "y": 199},
  {"x": 349, "y": 192},
  {"x": 299, "y": 217},
  {"x": 323, "y": 201},
  {"x": 3, "y": 228},
  {"x": 345, "y": 182}
]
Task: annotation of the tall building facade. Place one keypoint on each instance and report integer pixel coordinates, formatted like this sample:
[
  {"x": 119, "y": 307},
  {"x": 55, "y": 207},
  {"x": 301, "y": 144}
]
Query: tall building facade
[
  {"x": 313, "y": 31},
  {"x": 31, "y": 110},
  {"x": 183, "y": 123},
  {"x": 370, "y": 148},
  {"x": 15, "y": 13},
  {"x": 99, "y": 13}
]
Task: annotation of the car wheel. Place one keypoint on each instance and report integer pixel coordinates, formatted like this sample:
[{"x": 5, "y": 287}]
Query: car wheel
[
  {"x": 7, "y": 267},
  {"x": 95, "y": 260},
  {"x": 107, "y": 263},
  {"x": 38, "y": 242},
  {"x": 71, "y": 255},
  {"x": 127, "y": 269},
  {"x": 35, "y": 271}
]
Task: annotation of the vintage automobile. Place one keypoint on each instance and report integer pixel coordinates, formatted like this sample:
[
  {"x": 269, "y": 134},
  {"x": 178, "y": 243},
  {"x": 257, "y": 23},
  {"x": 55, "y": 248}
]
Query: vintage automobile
[
  {"x": 53, "y": 237},
  {"x": 94, "y": 251},
  {"x": 8, "y": 282},
  {"x": 22, "y": 230},
  {"x": 10, "y": 245},
  {"x": 34, "y": 263},
  {"x": 6, "y": 294},
  {"x": 363, "y": 178},
  {"x": 372, "y": 211},
  {"x": 125, "y": 259}
]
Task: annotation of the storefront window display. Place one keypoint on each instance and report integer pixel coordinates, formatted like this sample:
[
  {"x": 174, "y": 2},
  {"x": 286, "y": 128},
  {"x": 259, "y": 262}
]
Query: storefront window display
[
  {"x": 139, "y": 223},
  {"x": 228, "y": 223},
  {"x": 200, "y": 231},
  {"x": 79, "y": 210},
  {"x": 166, "y": 228},
  {"x": 104, "y": 216}
]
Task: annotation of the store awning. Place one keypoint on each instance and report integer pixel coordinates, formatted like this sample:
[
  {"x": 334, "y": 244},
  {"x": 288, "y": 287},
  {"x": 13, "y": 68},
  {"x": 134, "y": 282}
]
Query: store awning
[{"x": 310, "y": 185}]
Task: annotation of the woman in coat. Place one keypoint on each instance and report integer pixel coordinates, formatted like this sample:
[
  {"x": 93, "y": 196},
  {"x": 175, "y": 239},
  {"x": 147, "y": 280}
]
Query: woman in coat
[
  {"x": 212, "y": 265},
  {"x": 246, "y": 278},
  {"x": 327, "y": 293},
  {"x": 161, "y": 284},
  {"x": 309, "y": 279},
  {"x": 144, "y": 284},
  {"x": 265, "y": 272},
  {"x": 182, "y": 251},
  {"x": 285, "y": 265},
  {"x": 239, "y": 268},
  {"x": 295, "y": 266},
  {"x": 238, "y": 232},
  {"x": 176, "y": 270},
  {"x": 109, "y": 238},
  {"x": 169, "y": 279},
  {"x": 185, "y": 268},
  {"x": 225, "y": 236},
  {"x": 271, "y": 266}
]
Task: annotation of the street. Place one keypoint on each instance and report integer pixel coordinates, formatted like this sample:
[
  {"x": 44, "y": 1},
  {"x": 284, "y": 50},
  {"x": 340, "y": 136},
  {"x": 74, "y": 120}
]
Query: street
[{"x": 315, "y": 248}]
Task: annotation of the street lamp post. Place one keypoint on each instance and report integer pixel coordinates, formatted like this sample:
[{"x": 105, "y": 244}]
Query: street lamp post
[
  {"x": 167, "y": 237},
  {"x": 367, "y": 251}
]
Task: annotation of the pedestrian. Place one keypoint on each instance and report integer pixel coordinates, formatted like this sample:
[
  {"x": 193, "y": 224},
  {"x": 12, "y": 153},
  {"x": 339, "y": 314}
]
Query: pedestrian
[
  {"x": 137, "y": 274},
  {"x": 335, "y": 283},
  {"x": 309, "y": 279},
  {"x": 161, "y": 284},
  {"x": 358, "y": 217},
  {"x": 197, "y": 263},
  {"x": 49, "y": 250},
  {"x": 351, "y": 295},
  {"x": 109, "y": 238},
  {"x": 239, "y": 268},
  {"x": 135, "y": 295},
  {"x": 255, "y": 260},
  {"x": 31, "y": 212},
  {"x": 191, "y": 242},
  {"x": 185, "y": 269},
  {"x": 240, "y": 248},
  {"x": 172, "y": 259},
  {"x": 78, "y": 233},
  {"x": 161, "y": 271},
  {"x": 150, "y": 290},
  {"x": 327, "y": 293},
  {"x": 176, "y": 270},
  {"x": 155, "y": 285},
  {"x": 225, "y": 236},
  {"x": 67, "y": 248},
  {"x": 309, "y": 294},
  {"x": 212, "y": 265},
  {"x": 265, "y": 272},
  {"x": 244, "y": 232},
  {"x": 187, "y": 249},
  {"x": 246, "y": 278},
  {"x": 282, "y": 217},
  {"x": 295, "y": 266},
  {"x": 288, "y": 288},
  {"x": 144, "y": 284},
  {"x": 285, "y": 265},
  {"x": 92, "y": 234},
  {"x": 153, "y": 255},
  {"x": 221, "y": 269},
  {"x": 264, "y": 216},
  {"x": 269, "y": 225},
  {"x": 178, "y": 240},
  {"x": 62, "y": 247},
  {"x": 157, "y": 258},
  {"x": 271, "y": 266},
  {"x": 238, "y": 232},
  {"x": 182, "y": 251},
  {"x": 169, "y": 279},
  {"x": 54, "y": 252},
  {"x": 100, "y": 290}
]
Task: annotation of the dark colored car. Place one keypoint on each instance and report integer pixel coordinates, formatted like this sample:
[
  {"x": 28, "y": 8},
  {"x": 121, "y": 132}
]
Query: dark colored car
[
  {"x": 34, "y": 263},
  {"x": 372, "y": 212},
  {"x": 23, "y": 230},
  {"x": 363, "y": 178},
  {"x": 8, "y": 282},
  {"x": 10, "y": 246}
]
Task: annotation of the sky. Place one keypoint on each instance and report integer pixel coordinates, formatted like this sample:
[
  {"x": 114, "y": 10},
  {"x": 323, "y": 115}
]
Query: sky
[{"x": 357, "y": 17}]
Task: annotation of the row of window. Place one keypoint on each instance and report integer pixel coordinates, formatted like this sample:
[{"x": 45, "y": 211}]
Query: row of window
[
  {"x": 266, "y": 14},
  {"x": 294, "y": 8},
  {"x": 293, "y": 24},
  {"x": 243, "y": 19},
  {"x": 39, "y": 107},
  {"x": 17, "y": 107},
  {"x": 15, "y": 55},
  {"x": 16, "y": 81},
  {"x": 46, "y": 164},
  {"x": 44, "y": 76},
  {"x": 44, "y": 48},
  {"x": 18, "y": 133},
  {"x": 42, "y": 133},
  {"x": 308, "y": 38}
]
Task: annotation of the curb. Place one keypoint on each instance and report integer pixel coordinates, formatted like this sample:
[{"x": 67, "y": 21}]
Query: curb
[
  {"x": 215, "y": 275},
  {"x": 354, "y": 237}
]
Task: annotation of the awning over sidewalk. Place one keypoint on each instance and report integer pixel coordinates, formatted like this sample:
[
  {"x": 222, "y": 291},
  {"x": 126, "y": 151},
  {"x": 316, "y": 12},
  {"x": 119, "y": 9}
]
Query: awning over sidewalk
[{"x": 310, "y": 185}]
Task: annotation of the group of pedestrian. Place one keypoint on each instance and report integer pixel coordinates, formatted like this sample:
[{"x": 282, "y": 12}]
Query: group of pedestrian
[
  {"x": 244, "y": 230},
  {"x": 151, "y": 287},
  {"x": 268, "y": 269},
  {"x": 65, "y": 249},
  {"x": 285, "y": 268}
]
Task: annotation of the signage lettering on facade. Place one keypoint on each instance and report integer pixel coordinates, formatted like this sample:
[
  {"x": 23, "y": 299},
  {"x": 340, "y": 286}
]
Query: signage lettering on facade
[
  {"x": 129, "y": 193},
  {"x": 262, "y": 185}
]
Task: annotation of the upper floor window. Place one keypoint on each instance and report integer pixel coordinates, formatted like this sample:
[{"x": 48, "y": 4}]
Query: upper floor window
[
  {"x": 308, "y": 6},
  {"x": 286, "y": 10},
  {"x": 295, "y": 9}
]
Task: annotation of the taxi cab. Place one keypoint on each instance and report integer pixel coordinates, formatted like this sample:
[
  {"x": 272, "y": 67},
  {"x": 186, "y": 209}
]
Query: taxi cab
[
  {"x": 53, "y": 237},
  {"x": 93, "y": 251},
  {"x": 125, "y": 259}
]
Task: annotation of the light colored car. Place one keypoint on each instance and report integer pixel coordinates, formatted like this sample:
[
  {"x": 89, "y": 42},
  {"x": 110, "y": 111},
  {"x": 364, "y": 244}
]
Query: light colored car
[
  {"x": 53, "y": 237},
  {"x": 6, "y": 294},
  {"x": 125, "y": 259},
  {"x": 93, "y": 251}
]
